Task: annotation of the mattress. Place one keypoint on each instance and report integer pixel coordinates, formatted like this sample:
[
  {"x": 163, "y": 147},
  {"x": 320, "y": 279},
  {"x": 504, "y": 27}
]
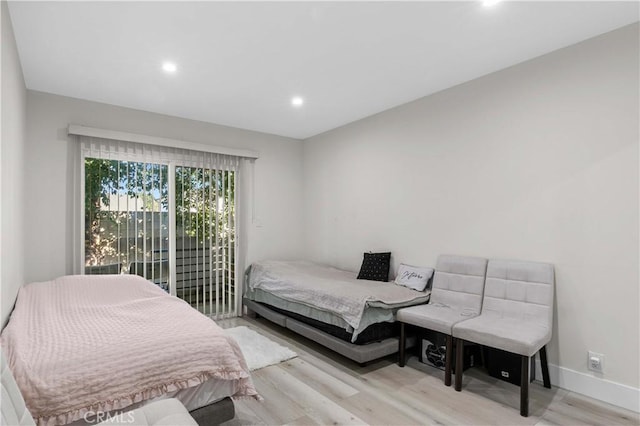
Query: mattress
[
  {"x": 373, "y": 333},
  {"x": 358, "y": 353},
  {"x": 371, "y": 315},
  {"x": 328, "y": 295}
]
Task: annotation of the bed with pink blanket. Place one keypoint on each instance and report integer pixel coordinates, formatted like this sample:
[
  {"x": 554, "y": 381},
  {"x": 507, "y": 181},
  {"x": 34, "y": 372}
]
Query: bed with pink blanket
[{"x": 83, "y": 344}]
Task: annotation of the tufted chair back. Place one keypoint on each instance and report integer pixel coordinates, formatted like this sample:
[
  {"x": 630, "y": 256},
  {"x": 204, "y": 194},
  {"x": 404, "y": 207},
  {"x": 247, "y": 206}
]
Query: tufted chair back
[
  {"x": 459, "y": 282},
  {"x": 521, "y": 291}
]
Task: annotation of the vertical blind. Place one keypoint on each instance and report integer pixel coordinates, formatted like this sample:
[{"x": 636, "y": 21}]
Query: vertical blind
[{"x": 164, "y": 213}]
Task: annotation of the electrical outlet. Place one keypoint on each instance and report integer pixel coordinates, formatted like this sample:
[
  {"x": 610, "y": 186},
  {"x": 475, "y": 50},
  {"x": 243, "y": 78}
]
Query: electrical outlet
[{"x": 595, "y": 362}]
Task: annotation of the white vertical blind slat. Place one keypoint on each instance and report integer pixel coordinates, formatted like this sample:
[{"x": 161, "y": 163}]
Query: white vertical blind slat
[
  {"x": 206, "y": 282},
  {"x": 229, "y": 242},
  {"x": 217, "y": 250},
  {"x": 171, "y": 184},
  {"x": 212, "y": 245},
  {"x": 224, "y": 259}
]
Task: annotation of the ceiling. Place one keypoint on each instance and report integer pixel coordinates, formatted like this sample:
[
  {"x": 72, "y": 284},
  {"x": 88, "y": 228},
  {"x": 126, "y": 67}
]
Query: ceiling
[{"x": 239, "y": 63}]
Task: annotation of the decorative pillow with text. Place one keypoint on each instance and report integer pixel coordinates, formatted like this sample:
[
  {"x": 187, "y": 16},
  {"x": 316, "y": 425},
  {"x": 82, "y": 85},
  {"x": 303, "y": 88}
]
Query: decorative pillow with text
[{"x": 413, "y": 277}]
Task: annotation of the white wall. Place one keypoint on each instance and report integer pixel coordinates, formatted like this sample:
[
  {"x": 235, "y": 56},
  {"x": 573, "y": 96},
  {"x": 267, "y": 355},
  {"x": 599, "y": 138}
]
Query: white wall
[
  {"x": 11, "y": 164},
  {"x": 49, "y": 177},
  {"x": 538, "y": 162}
]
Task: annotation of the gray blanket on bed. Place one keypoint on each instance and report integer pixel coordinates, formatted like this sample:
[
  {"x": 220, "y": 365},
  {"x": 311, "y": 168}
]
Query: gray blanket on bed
[{"x": 330, "y": 289}]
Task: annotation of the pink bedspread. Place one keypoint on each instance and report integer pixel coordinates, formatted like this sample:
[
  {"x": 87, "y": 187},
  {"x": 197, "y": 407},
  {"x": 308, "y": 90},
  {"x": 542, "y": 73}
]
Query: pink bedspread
[{"x": 99, "y": 343}]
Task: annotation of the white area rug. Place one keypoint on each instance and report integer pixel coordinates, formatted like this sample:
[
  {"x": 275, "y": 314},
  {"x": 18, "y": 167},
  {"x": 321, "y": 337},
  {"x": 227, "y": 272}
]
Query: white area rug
[{"x": 259, "y": 351}]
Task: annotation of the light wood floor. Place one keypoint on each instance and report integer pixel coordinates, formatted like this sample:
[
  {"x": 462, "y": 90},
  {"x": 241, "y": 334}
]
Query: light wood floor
[{"x": 321, "y": 387}]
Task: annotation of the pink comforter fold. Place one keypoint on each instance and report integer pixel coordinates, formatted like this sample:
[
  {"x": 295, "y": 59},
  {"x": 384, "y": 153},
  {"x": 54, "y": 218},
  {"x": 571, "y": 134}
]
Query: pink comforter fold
[{"x": 83, "y": 344}]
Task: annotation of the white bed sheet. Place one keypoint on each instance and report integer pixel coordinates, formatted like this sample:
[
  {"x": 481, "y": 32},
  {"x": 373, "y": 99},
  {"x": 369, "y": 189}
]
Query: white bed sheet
[
  {"x": 192, "y": 398},
  {"x": 204, "y": 394}
]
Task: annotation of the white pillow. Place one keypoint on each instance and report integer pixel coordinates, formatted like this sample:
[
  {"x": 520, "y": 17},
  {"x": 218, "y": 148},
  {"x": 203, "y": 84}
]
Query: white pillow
[{"x": 413, "y": 277}]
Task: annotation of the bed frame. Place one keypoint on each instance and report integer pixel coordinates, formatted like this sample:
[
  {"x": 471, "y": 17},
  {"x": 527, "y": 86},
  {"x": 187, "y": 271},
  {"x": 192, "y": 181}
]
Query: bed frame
[
  {"x": 358, "y": 353},
  {"x": 214, "y": 414}
]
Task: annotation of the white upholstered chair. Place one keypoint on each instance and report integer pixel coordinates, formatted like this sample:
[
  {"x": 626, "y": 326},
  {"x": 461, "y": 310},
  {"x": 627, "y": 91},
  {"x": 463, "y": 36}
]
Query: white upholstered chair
[
  {"x": 517, "y": 317},
  {"x": 456, "y": 295}
]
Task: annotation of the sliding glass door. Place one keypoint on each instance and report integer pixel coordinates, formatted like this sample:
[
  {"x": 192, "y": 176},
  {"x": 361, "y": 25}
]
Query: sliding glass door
[
  {"x": 172, "y": 224},
  {"x": 205, "y": 238},
  {"x": 126, "y": 219}
]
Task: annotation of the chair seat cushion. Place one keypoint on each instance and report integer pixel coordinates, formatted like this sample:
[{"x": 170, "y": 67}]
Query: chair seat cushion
[
  {"x": 511, "y": 335},
  {"x": 435, "y": 316},
  {"x": 166, "y": 412}
]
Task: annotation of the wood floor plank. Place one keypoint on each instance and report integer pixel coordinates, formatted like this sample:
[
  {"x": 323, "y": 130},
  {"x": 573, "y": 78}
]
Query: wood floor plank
[
  {"x": 320, "y": 387},
  {"x": 302, "y": 421},
  {"x": 317, "y": 406},
  {"x": 278, "y": 407},
  {"x": 579, "y": 409},
  {"x": 330, "y": 386},
  {"x": 451, "y": 407},
  {"x": 508, "y": 395},
  {"x": 375, "y": 409}
]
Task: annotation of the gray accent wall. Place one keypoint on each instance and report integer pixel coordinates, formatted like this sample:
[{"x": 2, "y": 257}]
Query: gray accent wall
[
  {"x": 14, "y": 111},
  {"x": 535, "y": 162}
]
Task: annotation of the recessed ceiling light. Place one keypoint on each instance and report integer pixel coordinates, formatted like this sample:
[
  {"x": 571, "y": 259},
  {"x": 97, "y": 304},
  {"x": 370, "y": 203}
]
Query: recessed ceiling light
[
  {"x": 169, "y": 67},
  {"x": 490, "y": 3},
  {"x": 297, "y": 101}
]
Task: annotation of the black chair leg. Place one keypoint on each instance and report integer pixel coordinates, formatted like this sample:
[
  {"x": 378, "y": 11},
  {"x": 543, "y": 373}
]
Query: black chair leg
[
  {"x": 459, "y": 363},
  {"x": 447, "y": 361},
  {"x": 545, "y": 367},
  {"x": 524, "y": 387},
  {"x": 402, "y": 345}
]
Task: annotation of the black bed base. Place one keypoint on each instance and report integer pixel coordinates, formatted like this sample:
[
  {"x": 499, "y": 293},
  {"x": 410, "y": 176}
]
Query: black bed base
[
  {"x": 214, "y": 414},
  {"x": 373, "y": 333},
  {"x": 361, "y": 354}
]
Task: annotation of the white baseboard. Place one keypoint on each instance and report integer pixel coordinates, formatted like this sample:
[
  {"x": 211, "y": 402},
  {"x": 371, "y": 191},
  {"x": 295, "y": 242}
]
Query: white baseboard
[{"x": 604, "y": 390}]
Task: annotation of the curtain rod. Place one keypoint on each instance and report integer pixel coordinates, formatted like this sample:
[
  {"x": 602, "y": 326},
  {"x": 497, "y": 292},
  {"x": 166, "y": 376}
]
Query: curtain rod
[{"x": 75, "y": 129}]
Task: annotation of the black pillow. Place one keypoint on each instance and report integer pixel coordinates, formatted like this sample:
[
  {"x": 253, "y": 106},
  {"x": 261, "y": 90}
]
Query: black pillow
[{"x": 375, "y": 267}]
